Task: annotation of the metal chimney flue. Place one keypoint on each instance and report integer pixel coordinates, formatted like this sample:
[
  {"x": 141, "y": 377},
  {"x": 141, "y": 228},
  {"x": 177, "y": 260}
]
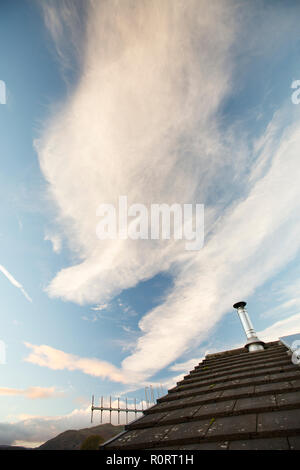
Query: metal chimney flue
[{"x": 253, "y": 342}]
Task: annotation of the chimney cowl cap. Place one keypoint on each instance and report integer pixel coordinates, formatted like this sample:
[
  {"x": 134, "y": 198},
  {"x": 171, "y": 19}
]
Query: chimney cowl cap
[{"x": 239, "y": 304}]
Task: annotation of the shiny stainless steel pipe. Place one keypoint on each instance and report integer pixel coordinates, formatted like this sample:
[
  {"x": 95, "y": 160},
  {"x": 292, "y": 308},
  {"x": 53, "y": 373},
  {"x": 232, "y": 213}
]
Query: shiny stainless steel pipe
[{"x": 253, "y": 342}]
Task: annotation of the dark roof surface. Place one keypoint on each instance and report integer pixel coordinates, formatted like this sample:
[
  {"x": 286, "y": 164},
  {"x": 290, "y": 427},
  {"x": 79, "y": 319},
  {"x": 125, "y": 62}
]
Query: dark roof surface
[{"x": 232, "y": 400}]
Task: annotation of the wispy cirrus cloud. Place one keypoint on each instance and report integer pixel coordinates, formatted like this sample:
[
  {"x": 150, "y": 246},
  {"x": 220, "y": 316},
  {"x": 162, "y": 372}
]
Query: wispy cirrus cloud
[
  {"x": 287, "y": 297},
  {"x": 14, "y": 282},
  {"x": 64, "y": 20}
]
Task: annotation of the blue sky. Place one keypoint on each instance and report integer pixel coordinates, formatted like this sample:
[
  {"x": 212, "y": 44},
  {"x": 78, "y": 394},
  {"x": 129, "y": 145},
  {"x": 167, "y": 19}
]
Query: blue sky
[{"x": 111, "y": 98}]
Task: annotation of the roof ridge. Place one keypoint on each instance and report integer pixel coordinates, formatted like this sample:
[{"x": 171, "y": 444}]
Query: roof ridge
[
  {"x": 245, "y": 356},
  {"x": 227, "y": 377},
  {"x": 228, "y": 370},
  {"x": 241, "y": 358}
]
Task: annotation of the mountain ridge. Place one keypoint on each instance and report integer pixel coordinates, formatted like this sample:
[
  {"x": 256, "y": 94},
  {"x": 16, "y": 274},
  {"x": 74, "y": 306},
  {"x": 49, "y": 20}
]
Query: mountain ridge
[{"x": 72, "y": 439}]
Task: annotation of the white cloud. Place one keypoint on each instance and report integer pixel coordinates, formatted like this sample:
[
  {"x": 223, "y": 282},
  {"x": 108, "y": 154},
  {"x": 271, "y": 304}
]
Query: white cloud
[
  {"x": 31, "y": 392},
  {"x": 292, "y": 289},
  {"x": 14, "y": 282},
  {"x": 284, "y": 308},
  {"x": 100, "y": 307},
  {"x": 56, "y": 359},
  {"x": 143, "y": 122},
  {"x": 30, "y": 444},
  {"x": 55, "y": 240},
  {"x": 288, "y": 297}
]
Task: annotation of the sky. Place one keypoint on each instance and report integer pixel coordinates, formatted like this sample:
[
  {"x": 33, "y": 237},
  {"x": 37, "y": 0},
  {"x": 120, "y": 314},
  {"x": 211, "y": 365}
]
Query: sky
[{"x": 164, "y": 102}]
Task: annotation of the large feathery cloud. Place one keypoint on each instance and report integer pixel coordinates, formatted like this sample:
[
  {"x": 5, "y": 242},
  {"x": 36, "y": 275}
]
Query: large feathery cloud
[{"x": 139, "y": 123}]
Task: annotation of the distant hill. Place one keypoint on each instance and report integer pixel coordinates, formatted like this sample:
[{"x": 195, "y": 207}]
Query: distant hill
[{"x": 72, "y": 439}]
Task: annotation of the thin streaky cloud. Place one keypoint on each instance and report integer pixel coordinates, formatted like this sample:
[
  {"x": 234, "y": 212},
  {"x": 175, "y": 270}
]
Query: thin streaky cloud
[
  {"x": 156, "y": 136},
  {"x": 14, "y": 282},
  {"x": 31, "y": 392}
]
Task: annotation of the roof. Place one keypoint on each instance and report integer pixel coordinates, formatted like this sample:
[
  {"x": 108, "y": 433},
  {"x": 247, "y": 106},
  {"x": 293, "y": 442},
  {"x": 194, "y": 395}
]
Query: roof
[{"x": 231, "y": 400}]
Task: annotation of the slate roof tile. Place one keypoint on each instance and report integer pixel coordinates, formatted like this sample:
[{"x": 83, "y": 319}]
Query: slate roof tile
[
  {"x": 294, "y": 442},
  {"x": 232, "y": 426},
  {"x": 264, "y": 402},
  {"x": 238, "y": 392},
  {"x": 272, "y": 387},
  {"x": 192, "y": 432},
  {"x": 288, "y": 398},
  {"x": 218, "y": 408},
  {"x": 223, "y": 445},
  {"x": 279, "y": 421}
]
